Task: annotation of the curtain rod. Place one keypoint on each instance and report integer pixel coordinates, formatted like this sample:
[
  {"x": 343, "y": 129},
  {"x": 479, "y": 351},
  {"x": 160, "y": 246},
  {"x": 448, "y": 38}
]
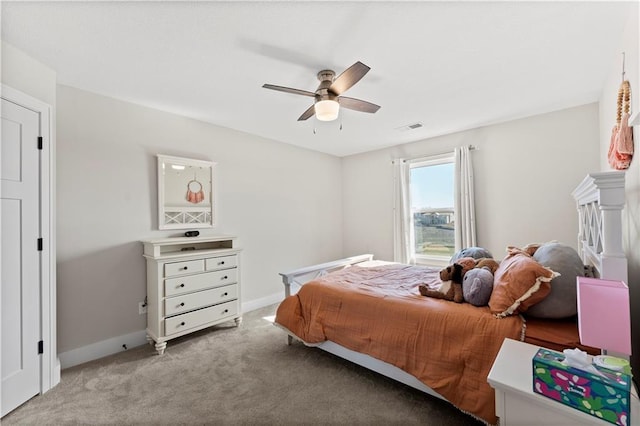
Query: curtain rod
[{"x": 426, "y": 157}]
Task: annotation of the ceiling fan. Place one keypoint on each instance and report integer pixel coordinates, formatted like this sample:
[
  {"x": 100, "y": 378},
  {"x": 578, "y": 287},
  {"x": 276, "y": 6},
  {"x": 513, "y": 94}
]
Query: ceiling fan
[{"x": 328, "y": 99}]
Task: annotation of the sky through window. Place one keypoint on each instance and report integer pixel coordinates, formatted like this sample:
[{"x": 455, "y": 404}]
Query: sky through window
[{"x": 432, "y": 186}]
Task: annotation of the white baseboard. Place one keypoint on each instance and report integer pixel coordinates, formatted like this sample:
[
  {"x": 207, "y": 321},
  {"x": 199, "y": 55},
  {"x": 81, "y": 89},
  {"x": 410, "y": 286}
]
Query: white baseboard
[
  {"x": 252, "y": 305},
  {"x": 102, "y": 349},
  {"x": 56, "y": 372},
  {"x": 138, "y": 338}
]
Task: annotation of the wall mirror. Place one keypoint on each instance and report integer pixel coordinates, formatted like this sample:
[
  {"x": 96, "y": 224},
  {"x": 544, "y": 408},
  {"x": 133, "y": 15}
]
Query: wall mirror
[{"x": 186, "y": 197}]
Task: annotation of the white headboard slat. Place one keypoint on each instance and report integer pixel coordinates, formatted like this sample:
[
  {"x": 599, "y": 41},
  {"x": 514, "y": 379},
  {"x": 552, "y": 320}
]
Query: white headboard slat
[{"x": 600, "y": 199}]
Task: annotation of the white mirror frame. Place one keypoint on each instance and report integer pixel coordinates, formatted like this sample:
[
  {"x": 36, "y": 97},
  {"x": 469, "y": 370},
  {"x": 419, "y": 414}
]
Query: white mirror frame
[{"x": 186, "y": 193}]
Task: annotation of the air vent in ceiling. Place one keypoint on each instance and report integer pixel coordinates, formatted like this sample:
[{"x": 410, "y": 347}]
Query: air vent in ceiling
[{"x": 412, "y": 126}]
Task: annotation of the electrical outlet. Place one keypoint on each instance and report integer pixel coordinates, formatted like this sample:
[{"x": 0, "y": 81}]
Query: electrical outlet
[{"x": 142, "y": 308}]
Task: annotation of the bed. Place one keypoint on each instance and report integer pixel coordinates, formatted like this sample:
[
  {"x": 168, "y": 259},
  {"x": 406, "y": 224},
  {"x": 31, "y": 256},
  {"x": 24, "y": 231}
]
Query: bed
[{"x": 370, "y": 312}]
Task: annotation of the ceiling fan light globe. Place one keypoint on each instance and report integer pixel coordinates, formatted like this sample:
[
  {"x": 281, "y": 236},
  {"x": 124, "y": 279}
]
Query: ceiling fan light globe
[{"x": 327, "y": 110}]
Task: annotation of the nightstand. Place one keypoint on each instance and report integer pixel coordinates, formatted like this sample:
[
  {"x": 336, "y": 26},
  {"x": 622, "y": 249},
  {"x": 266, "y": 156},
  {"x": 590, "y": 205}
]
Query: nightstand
[{"x": 516, "y": 404}]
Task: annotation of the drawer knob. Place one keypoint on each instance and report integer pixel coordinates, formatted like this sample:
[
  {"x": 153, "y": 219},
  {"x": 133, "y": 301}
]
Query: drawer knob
[
  {"x": 225, "y": 277},
  {"x": 225, "y": 294},
  {"x": 184, "y": 268},
  {"x": 182, "y": 323},
  {"x": 225, "y": 311},
  {"x": 182, "y": 304},
  {"x": 181, "y": 285},
  {"x": 221, "y": 263}
]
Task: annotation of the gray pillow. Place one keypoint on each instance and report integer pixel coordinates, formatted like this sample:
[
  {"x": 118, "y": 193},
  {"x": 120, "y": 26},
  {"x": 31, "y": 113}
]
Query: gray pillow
[
  {"x": 475, "y": 252},
  {"x": 561, "y": 301}
]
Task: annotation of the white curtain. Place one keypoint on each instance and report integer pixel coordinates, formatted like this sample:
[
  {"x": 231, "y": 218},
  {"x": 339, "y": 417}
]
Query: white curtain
[
  {"x": 402, "y": 235},
  {"x": 465, "y": 214}
]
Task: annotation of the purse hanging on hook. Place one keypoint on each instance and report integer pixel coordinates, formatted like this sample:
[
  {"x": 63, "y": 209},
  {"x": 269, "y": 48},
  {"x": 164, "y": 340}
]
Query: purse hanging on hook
[{"x": 195, "y": 194}]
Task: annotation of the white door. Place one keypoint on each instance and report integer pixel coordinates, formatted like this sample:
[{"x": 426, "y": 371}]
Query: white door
[{"x": 20, "y": 290}]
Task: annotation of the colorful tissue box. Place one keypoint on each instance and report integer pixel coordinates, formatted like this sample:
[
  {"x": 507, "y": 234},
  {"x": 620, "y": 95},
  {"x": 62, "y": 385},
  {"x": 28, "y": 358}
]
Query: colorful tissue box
[{"x": 604, "y": 396}]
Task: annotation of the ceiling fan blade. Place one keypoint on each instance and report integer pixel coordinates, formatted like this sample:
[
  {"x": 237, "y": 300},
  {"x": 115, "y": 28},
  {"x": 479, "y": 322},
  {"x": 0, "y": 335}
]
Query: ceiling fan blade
[
  {"x": 289, "y": 90},
  {"x": 357, "y": 104},
  {"x": 308, "y": 113},
  {"x": 348, "y": 78}
]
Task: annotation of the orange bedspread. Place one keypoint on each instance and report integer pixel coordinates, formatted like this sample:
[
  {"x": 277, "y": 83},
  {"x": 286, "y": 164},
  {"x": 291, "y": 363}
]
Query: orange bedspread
[{"x": 378, "y": 311}]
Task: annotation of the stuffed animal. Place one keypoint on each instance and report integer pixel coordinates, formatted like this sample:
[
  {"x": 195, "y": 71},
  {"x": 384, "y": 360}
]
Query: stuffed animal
[
  {"x": 451, "y": 277},
  {"x": 450, "y": 289},
  {"x": 490, "y": 264},
  {"x": 477, "y": 286},
  {"x": 467, "y": 263}
]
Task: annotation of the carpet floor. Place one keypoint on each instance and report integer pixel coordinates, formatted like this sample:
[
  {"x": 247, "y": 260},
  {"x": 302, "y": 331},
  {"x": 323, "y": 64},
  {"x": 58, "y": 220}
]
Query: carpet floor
[{"x": 228, "y": 375}]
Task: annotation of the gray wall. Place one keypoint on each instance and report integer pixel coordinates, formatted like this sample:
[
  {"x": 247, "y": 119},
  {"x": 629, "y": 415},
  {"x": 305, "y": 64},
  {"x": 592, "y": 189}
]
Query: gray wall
[
  {"x": 24, "y": 73},
  {"x": 631, "y": 213},
  {"x": 283, "y": 203},
  {"x": 525, "y": 171}
]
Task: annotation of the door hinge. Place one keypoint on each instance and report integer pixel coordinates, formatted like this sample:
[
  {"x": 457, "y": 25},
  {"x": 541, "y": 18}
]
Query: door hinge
[
  {"x": 39, "y": 244},
  {"x": 39, "y": 142},
  {"x": 40, "y": 347}
]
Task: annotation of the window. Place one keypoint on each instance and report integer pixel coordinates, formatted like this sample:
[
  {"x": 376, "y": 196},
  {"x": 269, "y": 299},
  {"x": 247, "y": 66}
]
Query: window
[
  {"x": 431, "y": 193},
  {"x": 433, "y": 209}
]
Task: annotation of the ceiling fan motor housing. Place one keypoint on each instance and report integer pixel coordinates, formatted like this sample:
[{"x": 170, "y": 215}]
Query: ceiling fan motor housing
[
  {"x": 326, "y": 75},
  {"x": 326, "y": 79}
]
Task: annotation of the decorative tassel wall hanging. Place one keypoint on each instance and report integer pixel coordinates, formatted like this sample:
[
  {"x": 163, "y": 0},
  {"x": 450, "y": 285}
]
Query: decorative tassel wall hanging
[
  {"x": 621, "y": 145},
  {"x": 195, "y": 194}
]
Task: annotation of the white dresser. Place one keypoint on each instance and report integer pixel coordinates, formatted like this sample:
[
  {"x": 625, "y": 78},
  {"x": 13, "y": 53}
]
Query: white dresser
[{"x": 192, "y": 283}]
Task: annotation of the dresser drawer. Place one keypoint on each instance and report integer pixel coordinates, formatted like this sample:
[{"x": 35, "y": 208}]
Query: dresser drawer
[
  {"x": 191, "y": 283},
  {"x": 189, "y": 302},
  {"x": 194, "y": 319},
  {"x": 223, "y": 262},
  {"x": 182, "y": 268}
]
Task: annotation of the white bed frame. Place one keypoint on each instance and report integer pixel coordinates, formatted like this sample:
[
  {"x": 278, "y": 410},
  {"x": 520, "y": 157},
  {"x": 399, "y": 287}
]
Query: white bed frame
[{"x": 600, "y": 200}]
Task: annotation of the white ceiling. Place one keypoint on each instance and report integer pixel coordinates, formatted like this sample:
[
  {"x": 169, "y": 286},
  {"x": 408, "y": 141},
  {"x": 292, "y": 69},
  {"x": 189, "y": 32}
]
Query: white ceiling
[{"x": 449, "y": 65}]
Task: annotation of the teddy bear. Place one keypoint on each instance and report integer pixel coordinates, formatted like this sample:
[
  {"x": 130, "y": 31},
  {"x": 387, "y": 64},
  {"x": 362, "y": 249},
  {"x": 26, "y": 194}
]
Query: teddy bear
[
  {"x": 490, "y": 264},
  {"x": 477, "y": 286},
  {"x": 450, "y": 289},
  {"x": 451, "y": 277}
]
